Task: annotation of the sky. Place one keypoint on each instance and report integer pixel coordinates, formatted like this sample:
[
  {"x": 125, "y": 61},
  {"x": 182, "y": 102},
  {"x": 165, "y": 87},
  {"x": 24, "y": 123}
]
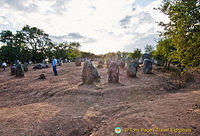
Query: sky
[{"x": 100, "y": 26}]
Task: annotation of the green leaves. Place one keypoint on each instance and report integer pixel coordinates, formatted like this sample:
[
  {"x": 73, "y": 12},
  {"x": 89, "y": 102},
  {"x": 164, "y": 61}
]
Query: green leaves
[
  {"x": 136, "y": 54},
  {"x": 180, "y": 42}
]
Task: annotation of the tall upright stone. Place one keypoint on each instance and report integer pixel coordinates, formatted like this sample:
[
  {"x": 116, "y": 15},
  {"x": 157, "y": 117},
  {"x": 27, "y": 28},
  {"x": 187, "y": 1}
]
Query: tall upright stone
[
  {"x": 89, "y": 73},
  {"x": 121, "y": 63},
  {"x": 107, "y": 63},
  {"x": 146, "y": 56},
  {"x": 147, "y": 67},
  {"x": 113, "y": 72},
  {"x": 78, "y": 61},
  {"x": 20, "y": 70},
  {"x": 13, "y": 69},
  {"x": 101, "y": 62},
  {"x": 25, "y": 66},
  {"x": 132, "y": 69},
  {"x": 128, "y": 60}
]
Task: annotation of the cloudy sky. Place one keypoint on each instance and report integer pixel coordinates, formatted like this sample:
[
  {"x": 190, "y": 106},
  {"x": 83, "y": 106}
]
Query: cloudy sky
[{"x": 100, "y": 26}]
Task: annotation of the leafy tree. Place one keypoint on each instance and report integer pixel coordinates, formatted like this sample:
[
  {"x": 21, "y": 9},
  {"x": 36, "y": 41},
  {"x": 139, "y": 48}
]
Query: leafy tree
[
  {"x": 149, "y": 49},
  {"x": 183, "y": 30},
  {"x": 125, "y": 54},
  {"x": 73, "y": 50},
  {"x": 165, "y": 51},
  {"x": 136, "y": 54},
  {"x": 38, "y": 40}
]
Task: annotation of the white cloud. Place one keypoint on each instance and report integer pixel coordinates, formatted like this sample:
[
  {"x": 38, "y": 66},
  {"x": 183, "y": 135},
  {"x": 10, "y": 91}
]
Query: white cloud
[{"x": 101, "y": 25}]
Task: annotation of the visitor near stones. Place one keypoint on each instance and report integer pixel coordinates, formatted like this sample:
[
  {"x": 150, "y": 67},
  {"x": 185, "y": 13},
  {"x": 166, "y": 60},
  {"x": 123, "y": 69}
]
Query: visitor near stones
[
  {"x": 4, "y": 65},
  {"x": 54, "y": 64}
]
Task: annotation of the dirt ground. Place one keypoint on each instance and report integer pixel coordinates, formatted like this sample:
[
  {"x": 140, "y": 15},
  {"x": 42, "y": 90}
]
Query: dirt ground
[{"x": 152, "y": 104}]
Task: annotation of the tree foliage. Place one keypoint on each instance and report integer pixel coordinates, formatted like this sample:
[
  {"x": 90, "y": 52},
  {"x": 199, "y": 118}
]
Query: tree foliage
[
  {"x": 136, "y": 54},
  {"x": 180, "y": 41},
  {"x": 34, "y": 44}
]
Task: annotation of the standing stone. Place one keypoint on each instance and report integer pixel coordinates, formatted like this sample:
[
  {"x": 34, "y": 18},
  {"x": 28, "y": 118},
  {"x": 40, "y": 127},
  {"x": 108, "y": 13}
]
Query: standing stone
[
  {"x": 136, "y": 64},
  {"x": 78, "y": 61},
  {"x": 13, "y": 69},
  {"x": 25, "y": 66},
  {"x": 128, "y": 60},
  {"x": 89, "y": 73},
  {"x": 132, "y": 69},
  {"x": 147, "y": 67},
  {"x": 107, "y": 63},
  {"x": 20, "y": 70},
  {"x": 146, "y": 56},
  {"x": 60, "y": 62},
  {"x": 113, "y": 72},
  {"x": 40, "y": 66},
  {"x": 100, "y": 63},
  {"x": 141, "y": 60},
  {"x": 121, "y": 63}
]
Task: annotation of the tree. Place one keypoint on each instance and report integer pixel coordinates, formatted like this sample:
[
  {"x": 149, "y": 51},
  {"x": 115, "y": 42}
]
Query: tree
[
  {"x": 73, "y": 50},
  {"x": 38, "y": 40},
  {"x": 165, "y": 51},
  {"x": 183, "y": 30},
  {"x": 136, "y": 54},
  {"x": 148, "y": 48}
]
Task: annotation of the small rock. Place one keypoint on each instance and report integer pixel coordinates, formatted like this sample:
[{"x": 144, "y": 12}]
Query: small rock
[{"x": 42, "y": 76}]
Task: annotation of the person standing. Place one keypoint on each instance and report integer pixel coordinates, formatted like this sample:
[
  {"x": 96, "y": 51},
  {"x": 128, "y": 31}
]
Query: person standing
[
  {"x": 4, "y": 66},
  {"x": 54, "y": 64}
]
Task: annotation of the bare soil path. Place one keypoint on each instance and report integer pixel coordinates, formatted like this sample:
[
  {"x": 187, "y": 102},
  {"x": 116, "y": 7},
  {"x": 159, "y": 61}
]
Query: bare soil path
[{"x": 61, "y": 106}]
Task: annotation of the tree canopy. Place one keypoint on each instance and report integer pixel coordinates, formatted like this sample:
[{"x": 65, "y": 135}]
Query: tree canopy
[
  {"x": 34, "y": 44},
  {"x": 180, "y": 42}
]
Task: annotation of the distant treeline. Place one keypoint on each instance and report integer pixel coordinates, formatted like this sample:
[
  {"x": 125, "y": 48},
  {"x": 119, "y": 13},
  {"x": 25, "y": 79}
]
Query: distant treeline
[
  {"x": 34, "y": 44},
  {"x": 179, "y": 44}
]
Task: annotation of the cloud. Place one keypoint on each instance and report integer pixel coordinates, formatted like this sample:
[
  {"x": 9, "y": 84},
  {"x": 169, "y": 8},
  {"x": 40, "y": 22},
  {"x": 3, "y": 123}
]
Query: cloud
[
  {"x": 125, "y": 21},
  {"x": 20, "y": 5},
  {"x": 59, "y": 6},
  {"x": 75, "y": 36},
  {"x": 142, "y": 3},
  {"x": 142, "y": 41},
  {"x": 99, "y": 25}
]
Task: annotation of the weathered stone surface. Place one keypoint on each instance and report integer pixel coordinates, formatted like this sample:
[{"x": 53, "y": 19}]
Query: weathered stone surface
[
  {"x": 113, "y": 72},
  {"x": 147, "y": 67},
  {"x": 42, "y": 76},
  {"x": 146, "y": 56},
  {"x": 108, "y": 63},
  {"x": 78, "y": 61},
  {"x": 20, "y": 70},
  {"x": 60, "y": 63},
  {"x": 136, "y": 64},
  {"x": 40, "y": 66},
  {"x": 132, "y": 69},
  {"x": 121, "y": 63},
  {"x": 25, "y": 66},
  {"x": 100, "y": 63},
  {"x": 128, "y": 60},
  {"x": 13, "y": 69},
  {"x": 89, "y": 73},
  {"x": 141, "y": 60}
]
